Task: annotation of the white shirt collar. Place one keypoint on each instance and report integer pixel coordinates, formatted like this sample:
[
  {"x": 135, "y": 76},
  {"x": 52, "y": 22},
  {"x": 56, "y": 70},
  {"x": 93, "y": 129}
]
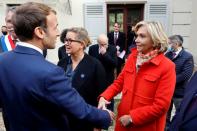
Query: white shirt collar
[
  {"x": 178, "y": 50},
  {"x": 30, "y": 46},
  {"x": 116, "y": 33}
]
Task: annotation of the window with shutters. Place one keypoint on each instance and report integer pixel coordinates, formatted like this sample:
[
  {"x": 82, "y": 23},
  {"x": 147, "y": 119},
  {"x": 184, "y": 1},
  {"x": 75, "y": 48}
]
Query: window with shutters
[
  {"x": 158, "y": 11},
  {"x": 95, "y": 19}
]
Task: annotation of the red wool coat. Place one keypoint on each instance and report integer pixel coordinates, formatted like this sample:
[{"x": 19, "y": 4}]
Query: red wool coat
[{"x": 146, "y": 94}]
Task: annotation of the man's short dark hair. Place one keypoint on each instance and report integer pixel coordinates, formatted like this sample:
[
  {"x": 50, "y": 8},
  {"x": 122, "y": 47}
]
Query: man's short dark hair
[{"x": 27, "y": 17}]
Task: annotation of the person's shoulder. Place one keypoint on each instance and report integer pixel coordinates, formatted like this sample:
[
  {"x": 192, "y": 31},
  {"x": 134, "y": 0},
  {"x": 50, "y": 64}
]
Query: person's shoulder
[
  {"x": 122, "y": 33},
  {"x": 50, "y": 68},
  {"x": 61, "y": 47},
  {"x": 91, "y": 60},
  {"x": 166, "y": 61},
  {"x": 187, "y": 53},
  {"x": 93, "y": 46},
  {"x": 110, "y": 33},
  {"x": 111, "y": 46}
]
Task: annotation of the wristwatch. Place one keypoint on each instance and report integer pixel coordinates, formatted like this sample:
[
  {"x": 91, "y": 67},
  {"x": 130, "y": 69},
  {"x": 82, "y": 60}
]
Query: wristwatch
[{"x": 130, "y": 122}]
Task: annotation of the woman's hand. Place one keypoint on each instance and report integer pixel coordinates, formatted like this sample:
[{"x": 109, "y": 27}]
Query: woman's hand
[{"x": 102, "y": 103}]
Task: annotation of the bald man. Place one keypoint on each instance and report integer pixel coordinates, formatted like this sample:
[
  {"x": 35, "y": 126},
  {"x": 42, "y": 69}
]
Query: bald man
[{"x": 106, "y": 54}]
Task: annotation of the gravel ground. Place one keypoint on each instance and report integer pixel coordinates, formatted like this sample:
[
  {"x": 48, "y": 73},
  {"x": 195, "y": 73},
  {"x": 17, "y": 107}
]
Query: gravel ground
[
  {"x": 111, "y": 128},
  {"x": 2, "y": 127}
]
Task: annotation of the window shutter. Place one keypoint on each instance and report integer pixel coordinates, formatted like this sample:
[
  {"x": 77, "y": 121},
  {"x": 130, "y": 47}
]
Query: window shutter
[
  {"x": 95, "y": 19},
  {"x": 158, "y": 11}
]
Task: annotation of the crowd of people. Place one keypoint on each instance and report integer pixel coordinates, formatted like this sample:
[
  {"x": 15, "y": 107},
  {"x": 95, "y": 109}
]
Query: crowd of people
[{"x": 153, "y": 73}]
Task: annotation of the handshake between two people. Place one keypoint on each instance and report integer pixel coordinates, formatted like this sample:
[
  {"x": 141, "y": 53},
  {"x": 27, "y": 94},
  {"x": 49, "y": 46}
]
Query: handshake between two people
[
  {"x": 125, "y": 120},
  {"x": 102, "y": 105}
]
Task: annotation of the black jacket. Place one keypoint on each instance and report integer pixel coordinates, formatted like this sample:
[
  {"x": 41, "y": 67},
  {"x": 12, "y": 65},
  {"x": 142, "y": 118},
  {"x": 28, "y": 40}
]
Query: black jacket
[
  {"x": 89, "y": 81},
  {"x": 108, "y": 60},
  {"x": 120, "y": 41}
]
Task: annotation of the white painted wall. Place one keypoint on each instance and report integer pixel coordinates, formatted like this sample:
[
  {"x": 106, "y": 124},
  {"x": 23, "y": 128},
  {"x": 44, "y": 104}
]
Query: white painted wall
[
  {"x": 193, "y": 33},
  {"x": 182, "y": 18}
]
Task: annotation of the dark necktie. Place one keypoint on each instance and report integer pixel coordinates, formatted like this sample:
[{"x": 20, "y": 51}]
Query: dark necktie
[
  {"x": 115, "y": 38},
  {"x": 173, "y": 55}
]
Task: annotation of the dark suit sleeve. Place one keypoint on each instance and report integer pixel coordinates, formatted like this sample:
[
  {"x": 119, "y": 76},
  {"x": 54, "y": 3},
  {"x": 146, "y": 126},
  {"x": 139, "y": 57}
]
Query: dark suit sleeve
[
  {"x": 60, "y": 93},
  {"x": 177, "y": 119},
  {"x": 90, "y": 51},
  {"x": 110, "y": 57},
  {"x": 100, "y": 76},
  {"x": 187, "y": 70},
  {"x": 121, "y": 41},
  {"x": 59, "y": 54},
  {"x": 110, "y": 38}
]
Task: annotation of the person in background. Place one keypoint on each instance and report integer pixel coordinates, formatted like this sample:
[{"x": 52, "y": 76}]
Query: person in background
[
  {"x": 117, "y": 39},
  {"x": 4, "y": 30},
  {"x": 147, "y": 82},
  {"x": 184, "y": 63},
  {"x": 34, "y": 93},
  {"x": 131, "y": 39},
  {"x": 8, "y": 42},
  {"x": 185, "y": 118},
  {"x": 85, "y": 72},
  {"x": 62, "y": 50},
  {"x": 106, "y": 54}
]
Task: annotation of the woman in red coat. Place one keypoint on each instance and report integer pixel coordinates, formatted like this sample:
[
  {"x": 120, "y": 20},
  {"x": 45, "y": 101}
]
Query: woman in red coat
[{"x": 147, "y": 82}]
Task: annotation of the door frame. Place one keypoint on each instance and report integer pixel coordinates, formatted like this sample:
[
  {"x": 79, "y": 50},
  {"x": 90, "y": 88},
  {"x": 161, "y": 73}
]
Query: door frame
[{"x": 125, "y": 8}]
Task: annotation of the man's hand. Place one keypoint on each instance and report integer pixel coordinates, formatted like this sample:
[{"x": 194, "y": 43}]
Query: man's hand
[
  {"x": 102, "y": 103},
  {"x": 125, "y": 120},
  {"x": 102, "y": 50},
  {"x": 118, "y": 53},
  {"x": 112, "y": 115}
]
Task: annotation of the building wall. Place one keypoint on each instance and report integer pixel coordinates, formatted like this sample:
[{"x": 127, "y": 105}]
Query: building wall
[
  {"x": 182, "y": 17},
  {"x": 193, "y": 33}
]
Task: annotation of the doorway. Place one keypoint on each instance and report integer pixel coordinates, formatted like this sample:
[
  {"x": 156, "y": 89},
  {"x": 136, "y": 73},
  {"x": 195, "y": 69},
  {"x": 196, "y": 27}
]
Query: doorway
[{"x": 126, "y": 15}]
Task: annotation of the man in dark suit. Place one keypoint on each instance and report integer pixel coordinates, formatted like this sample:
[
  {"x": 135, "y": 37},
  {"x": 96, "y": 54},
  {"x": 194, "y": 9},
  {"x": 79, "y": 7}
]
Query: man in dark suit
[
  {"x": 186, "y": 116},
  {"x": 117, "y": 39},
  {"x": 34, "y": 93},
  {"x": 184, "y": 68},
  {"x": 106, "y": 54}
]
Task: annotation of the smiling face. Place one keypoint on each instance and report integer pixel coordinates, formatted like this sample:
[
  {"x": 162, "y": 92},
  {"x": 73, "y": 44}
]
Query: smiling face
[
  {"x": 51, "y": 32},
  {"x": 73, "y": 46},
  {"x": 143, "y": 41}
]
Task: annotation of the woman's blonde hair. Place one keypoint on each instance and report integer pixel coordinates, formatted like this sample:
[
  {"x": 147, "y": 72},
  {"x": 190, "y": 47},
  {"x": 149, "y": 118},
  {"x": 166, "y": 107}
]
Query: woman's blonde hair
[
  {"x": 156, "y": 31},
  {"x": 81, "y": 35}
]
